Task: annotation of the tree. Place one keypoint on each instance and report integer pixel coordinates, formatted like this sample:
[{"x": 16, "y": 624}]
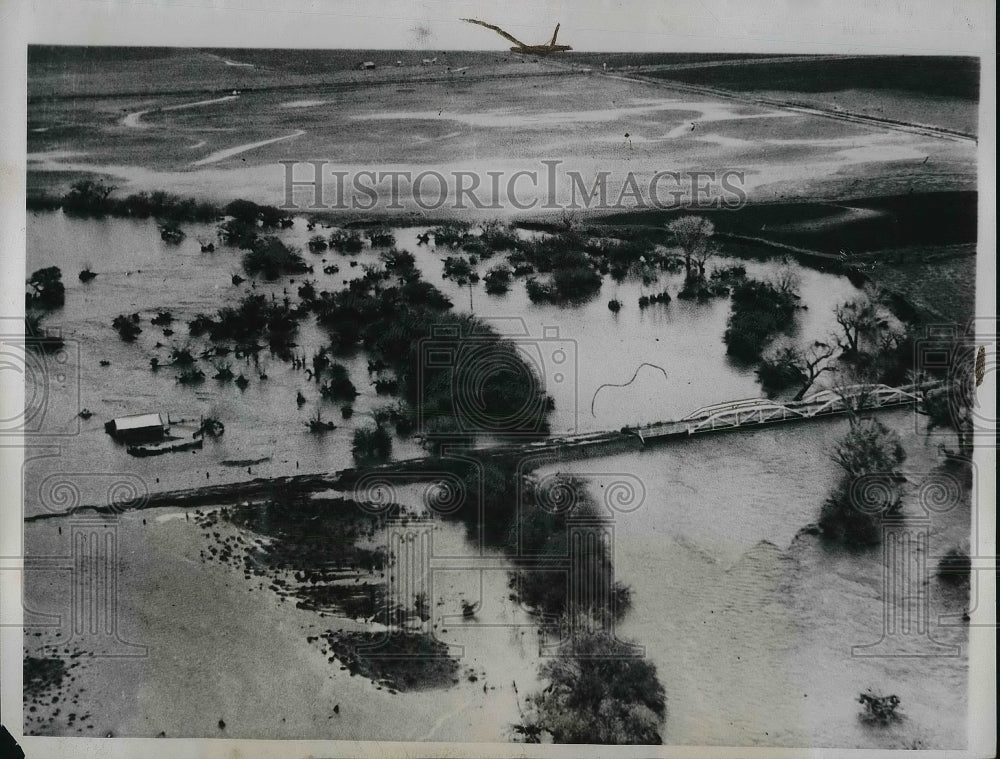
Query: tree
[
  {"x": 47, "y": 289},
  {"x": 858, "y": 319},
  {"x": 371, "y": 444},
  {"x": 816, "y": 359},
  {"x": 869, "y": 448},
  {"x": 780, "y": 368},
  {"x": 951, "y": 406},
  {"x": 88, "y": 196},
  {"x": 759, "y": 311},
  {"x": 598, "y": 692},
  {"x": 869, "y": 489},
  {"x": 694, "y": 235},
  {"x": 789, "y": 365}
]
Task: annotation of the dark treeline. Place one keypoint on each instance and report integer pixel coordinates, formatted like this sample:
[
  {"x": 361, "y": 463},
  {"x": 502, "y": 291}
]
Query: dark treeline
[
  {"x": 245, "y": 220},
  {"x": 599, "y": 691}
]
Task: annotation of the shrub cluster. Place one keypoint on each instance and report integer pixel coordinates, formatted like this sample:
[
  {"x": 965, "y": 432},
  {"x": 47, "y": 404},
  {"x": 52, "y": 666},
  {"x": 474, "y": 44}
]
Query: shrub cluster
[
  {"x": 271, "y": 258},
  {"x": 869, "y": 489},
  {"x": 760, "y": 310}
]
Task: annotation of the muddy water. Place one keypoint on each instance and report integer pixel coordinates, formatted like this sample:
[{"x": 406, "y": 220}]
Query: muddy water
[
  {"x": 750, "y": 625},
  {"x": 582, "y": 353}
]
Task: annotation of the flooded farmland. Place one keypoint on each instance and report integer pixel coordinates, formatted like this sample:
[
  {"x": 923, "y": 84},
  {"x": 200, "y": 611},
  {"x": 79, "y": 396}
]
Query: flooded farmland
[
  {"x": 431, "y": 472},
  {"x": 725, "y": 545}
]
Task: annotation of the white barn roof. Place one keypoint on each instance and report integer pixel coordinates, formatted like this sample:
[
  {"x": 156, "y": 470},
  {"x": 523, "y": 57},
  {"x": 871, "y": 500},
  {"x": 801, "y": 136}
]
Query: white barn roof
[{"x": 138, "y": 422}]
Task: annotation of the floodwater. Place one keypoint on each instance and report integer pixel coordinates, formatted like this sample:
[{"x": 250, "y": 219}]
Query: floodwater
[
  {"x": 584, "y": 354},
  {"x": 750, "y": 624}
]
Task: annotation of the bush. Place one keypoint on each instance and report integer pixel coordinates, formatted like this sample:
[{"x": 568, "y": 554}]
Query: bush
[
  {"x": 371, "y": 443},
  {"x": 576, "y": 284},
  {"x": 47, "y": 289},
  {"x": 191, "y": 376},
  {"x": 88, "y": 197},
  {"x": 339, "y": 387},
  {"x": 759, "y": 311},
  {"x": 271, "y": 258},
  {"x": 127, "y": 327},
  {"x": 254, "y": 318},
  {"x": 572, "y": 285},
  {"x": 869, "y": 490},
  {"x": 171, "y": 232},
  {"x": 267, "y": 217},
  {"x": 459, "y": 269},
  {"x": 879, "y": 709},
  {"x": 451, "y": 234},
  {"x": 181, "y": 356},
  {"x": 648, "y": 300},
  {"x": 401, "y": 262},
  {"x": 497, "y": 236},
  {"x": 346, "y": 242},
  {"x": 599, "y": 692},
  {"x": 239, "y": 233},
  {"x": 497, "y": 280},
  {"x": 381, "y": 238}
]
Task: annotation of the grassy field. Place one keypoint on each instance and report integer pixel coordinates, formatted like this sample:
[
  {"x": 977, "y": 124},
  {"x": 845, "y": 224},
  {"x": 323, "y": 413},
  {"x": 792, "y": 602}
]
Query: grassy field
[
  {"x": 933, "y": 91},
  {"x": 939, "y": 283}
]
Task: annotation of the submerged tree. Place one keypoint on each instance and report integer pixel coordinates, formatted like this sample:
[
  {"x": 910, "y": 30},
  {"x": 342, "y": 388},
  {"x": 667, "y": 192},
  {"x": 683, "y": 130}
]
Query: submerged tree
[
  {"x": 47, "y": 289},
  {"x": 869, "y": 489},
  {"x": 790, "y": 365},
  {"x": 952, "y": 405},
  {"x": 858, "y": 319},
  {"x": 694, "y": 235},
  {"x": 371, "y": 444},
  {"x": 598, "y": 692}
]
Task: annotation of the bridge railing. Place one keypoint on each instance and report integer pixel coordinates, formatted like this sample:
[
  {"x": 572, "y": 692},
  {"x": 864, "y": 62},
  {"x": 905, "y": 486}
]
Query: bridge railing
[{"x": 731, "y": 414}]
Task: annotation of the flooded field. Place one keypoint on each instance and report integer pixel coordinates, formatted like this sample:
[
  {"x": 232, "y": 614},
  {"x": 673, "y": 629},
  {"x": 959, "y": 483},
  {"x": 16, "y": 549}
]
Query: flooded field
[
  {"x": 407, "y": 608},
  {"x": 725, "y": 551},
  {"x": 492, "y": 116},
  {"x": 669, "y": 359}
]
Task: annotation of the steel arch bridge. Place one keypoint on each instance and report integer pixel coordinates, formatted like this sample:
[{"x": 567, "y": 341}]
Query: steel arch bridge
[{"x": 754, "y": 412}]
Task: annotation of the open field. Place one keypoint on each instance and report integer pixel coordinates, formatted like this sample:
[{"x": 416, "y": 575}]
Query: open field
[
  {"x": 181, "y": 128},
  {"x": 939, "y": 283},
  {"x": 941, "y": 92}
]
